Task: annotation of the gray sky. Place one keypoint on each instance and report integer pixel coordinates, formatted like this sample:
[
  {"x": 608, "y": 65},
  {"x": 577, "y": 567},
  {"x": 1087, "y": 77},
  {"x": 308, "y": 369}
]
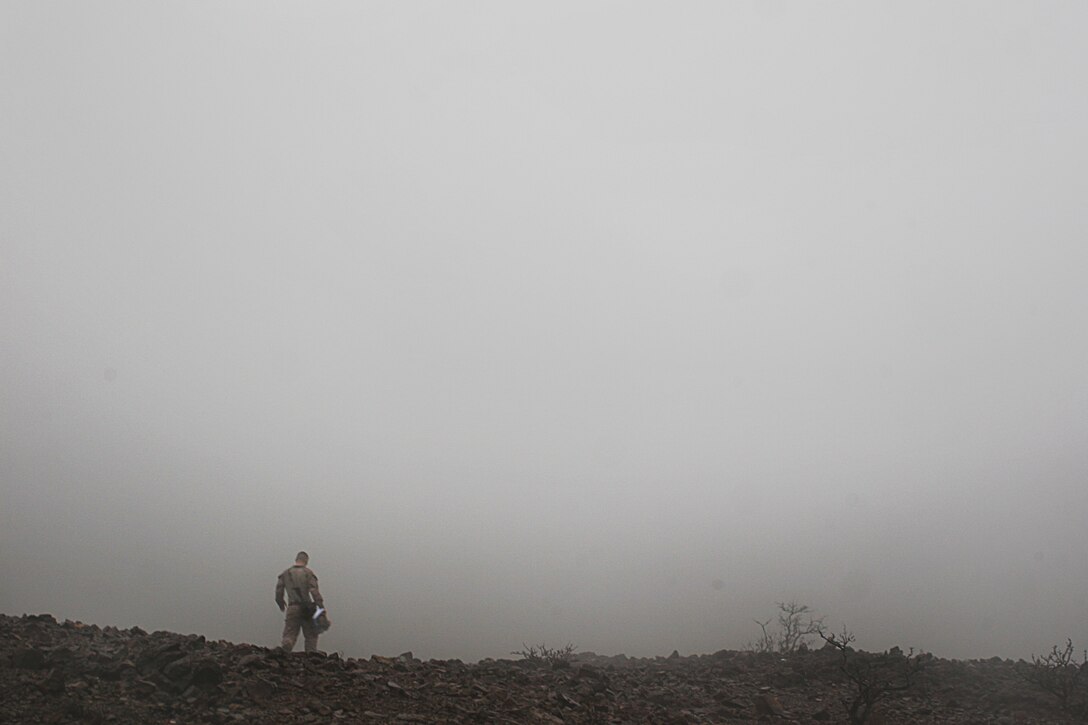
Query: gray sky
[{"x": 609, "y": 323}]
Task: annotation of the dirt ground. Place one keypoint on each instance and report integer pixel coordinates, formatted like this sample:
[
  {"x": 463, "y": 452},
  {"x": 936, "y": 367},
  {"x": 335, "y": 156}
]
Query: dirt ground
[{"x": 53, "y": 672}]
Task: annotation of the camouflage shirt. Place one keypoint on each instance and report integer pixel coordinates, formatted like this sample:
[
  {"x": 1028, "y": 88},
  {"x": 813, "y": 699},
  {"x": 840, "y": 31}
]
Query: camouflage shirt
[{"x": 300, "y": 583}]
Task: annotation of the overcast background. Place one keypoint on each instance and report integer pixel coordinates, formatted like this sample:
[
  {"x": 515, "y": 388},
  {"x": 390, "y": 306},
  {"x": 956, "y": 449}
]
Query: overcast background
[{"x": 601, "y": 323}]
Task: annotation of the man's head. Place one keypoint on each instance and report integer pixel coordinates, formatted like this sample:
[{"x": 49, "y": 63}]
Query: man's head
[{"x": 302, "y": 558}]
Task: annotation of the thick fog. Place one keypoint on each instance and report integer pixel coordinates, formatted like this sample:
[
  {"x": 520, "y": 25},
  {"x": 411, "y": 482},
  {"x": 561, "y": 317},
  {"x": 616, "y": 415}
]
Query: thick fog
[{"x": 601, "y": 323}]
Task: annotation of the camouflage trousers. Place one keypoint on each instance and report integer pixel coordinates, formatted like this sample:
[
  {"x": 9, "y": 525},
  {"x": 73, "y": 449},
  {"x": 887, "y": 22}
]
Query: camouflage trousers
[{"x": 291, "y": 624}]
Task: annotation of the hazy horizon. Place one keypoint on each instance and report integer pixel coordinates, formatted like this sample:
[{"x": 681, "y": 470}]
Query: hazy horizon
[{"x": 602, "y": 323}]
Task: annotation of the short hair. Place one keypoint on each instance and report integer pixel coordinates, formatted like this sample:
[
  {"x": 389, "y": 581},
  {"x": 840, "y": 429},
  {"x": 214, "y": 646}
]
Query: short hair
[{"x": 302, "y": 556}]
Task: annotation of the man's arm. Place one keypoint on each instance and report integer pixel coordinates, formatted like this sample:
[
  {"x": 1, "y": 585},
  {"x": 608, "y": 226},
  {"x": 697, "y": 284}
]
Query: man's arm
[
  {"x": 279, "y": 593},
  {"x": 315, "y": 593}
]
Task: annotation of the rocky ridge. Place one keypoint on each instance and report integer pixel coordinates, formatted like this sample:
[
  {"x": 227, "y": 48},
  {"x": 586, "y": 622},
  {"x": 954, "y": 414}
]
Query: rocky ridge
[{"x": 53, "y": 672}]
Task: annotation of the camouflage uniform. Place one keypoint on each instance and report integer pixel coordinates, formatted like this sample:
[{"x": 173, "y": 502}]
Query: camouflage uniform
[{"x": 300, "y": 584}]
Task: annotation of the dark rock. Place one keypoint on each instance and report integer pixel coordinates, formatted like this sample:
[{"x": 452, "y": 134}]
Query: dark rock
[
  {"x": 54, "y": 683},
  {"x": 251, "y": 660},
  {"x": 159, "y": 657},
  {"x": 29, "y": 659},
  {"x": 111, "y": 671},
  {"x": 59, "y": 656},
  {"x": 206, "y": 672},
  {"x": 143, "y": 688},
  {"x": 178, "y": 670},
  {"x": 72, "y": 709},
  {"x": 767, "y": 704},
  {"x": 260, "y": 689}
]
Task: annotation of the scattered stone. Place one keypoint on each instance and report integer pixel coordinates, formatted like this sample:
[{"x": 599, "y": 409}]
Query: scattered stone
[
  {"x": 29, "y": 659},
  {"x": 260, "y": 689},
  {"x": 767, "y": 704},
  {"x": 206, "y": 672},
  {"x": 74, "y": 672},
  {"x": 54, "y": 683}
]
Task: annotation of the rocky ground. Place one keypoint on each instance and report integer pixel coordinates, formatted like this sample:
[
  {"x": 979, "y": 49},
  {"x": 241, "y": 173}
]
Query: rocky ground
[{"x": 53, "y": 672}]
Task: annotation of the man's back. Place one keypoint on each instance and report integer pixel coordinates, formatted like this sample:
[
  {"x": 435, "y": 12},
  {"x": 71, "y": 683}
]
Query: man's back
[{"x": 300, "y": 584}]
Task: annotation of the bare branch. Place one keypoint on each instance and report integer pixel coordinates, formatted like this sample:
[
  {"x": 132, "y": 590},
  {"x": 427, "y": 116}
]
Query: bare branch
[
  {"x": 558, "y": 657},
  {"x": 1059, "y": 673},
  {"x": 875, "y": 677}
]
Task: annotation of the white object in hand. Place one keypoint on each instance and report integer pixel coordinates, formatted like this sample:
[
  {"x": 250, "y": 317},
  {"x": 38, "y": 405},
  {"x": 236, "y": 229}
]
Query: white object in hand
[{"x": 319, "y": 612}]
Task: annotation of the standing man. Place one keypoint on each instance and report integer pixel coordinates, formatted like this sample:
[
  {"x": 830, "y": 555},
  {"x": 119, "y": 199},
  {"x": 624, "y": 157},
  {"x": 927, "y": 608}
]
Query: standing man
[{"x": 300, "y": 583}]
